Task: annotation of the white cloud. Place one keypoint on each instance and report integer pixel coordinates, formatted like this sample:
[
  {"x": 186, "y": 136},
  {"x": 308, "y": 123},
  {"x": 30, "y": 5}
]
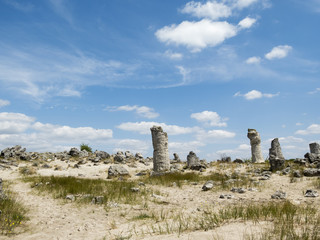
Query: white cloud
[
  {"x": 240, "y": 4},
  {"x": 197, "y": 35},
  {"x": 132, "y": 145},
  {"x": 253, "y": 60},
  {"x": 183, "y": 148},
  {"x": 312, "y": 129},
  {"x": 242, "y": 151},
  {"x": 254, "y": 94},
  {"x": 209, "y": 118},
  {"x": 142, "y": 111},
  {"x": 173, "y": 55},
  {"x": 299, "y": 124},
  {"x": 315, "y": 91},
  {"x": 4, "y": 103},
  {"x": 69, "y": 92},
  {"x": 211, "y": 9},
  {"x": 213, "y": 135},
  {"x": 247, "y": 22},
  {"x": 144, "y": 128},
  {"x": 278, "y": 52},
  {"x": 11, "y": 123}
]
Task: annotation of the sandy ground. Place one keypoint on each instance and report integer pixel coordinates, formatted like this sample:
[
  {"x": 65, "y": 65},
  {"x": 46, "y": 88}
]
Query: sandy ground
[{"x": 57, "y": 219}]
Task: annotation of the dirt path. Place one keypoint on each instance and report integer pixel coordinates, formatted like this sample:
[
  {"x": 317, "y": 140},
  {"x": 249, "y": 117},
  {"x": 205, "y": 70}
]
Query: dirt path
[{"x": 53, "y": 219}]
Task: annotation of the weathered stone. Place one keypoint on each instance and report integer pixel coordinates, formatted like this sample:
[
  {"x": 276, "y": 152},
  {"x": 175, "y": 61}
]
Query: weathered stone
[
  {"x": 238, "y": 190},
  {"x": 138, "y": 156},
  {"x": 276, "y": 159},
  {"x": 71, "y": 197},
  {"x": 176, "y": 158},
  {"x": 311, "y": 172},
  {"x": 117, "y": 171},
  {"x": 97, "y": 200},
  {"x": 102, "y": 154},
  {"x": 227, "y": 196},
  {"x": 238, "y": 161},
  {"x": 314, "y": 148},
  {"x": 192, "y": 159},
  {"x": 255, "y": 141},
  {"x": 128, "y": 154},
  {"x": 297, "y": 174},
  {"x": 208, "y": 185},
  {"x": 84, "y": 153},
  {"x": 12, "y": 152},
  {"x": 311, "y": 193},
  {"x": 286, "y": 171},
  {"x": 279, "y": 195},
  {"x": 74, "y": 152},
  {"x": 161, "y": 160},
  {"x": 119, "y": 157},
  {"x": 300, "y": 161}
]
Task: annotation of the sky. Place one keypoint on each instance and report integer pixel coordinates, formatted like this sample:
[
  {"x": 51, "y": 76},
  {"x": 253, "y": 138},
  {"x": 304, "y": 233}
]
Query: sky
[{"x": 103, "y": 72}]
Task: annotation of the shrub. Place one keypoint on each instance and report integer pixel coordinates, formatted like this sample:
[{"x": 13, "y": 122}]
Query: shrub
[{"x": 85, "y": 147}]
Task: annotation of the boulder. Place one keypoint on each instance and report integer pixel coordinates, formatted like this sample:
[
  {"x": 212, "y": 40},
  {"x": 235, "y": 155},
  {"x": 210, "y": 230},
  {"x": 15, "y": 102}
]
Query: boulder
[
  {"x": 117, "y": 171},
  {"x": 311, "y": 193},
  {"x": 311, "y": 172},
  {"x": 208, "y": 185},
  {"x": 279, "y": 195},
  {"x": 192, "y": 160},
  {"x": 74, "y": 152},
  {"x": 119, "y": 157}
]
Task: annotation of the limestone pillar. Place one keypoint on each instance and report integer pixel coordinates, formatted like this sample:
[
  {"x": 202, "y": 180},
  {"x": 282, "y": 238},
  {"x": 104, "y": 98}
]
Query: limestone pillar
[
  {"x": 161, "y": 160},
  {"x": 255, "y": 141}
]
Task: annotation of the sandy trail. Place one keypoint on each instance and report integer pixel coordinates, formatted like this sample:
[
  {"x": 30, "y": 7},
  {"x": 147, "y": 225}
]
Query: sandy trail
[{"x": 54, "y": 219}]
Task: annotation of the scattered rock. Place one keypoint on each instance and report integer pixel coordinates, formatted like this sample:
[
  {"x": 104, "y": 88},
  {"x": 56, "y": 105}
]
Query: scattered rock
[
  {"x": 238, "y": 190},
  {"x": 97, "y": 200},
  {"x": 208, "y": 185},
  {"x": 74, "y": 152},
  {"x": 102, "y": 154},
  {"x": 134, "y": 189},
  {"x": 238, "y": 161},
  {"x": 311, "y": 172},
  {"x": 311, "y": 193},
  {"x": 71, "y": 197},
  {"x": 279, "y": 195},
  {"x": 119, "y": 157},
  {"x": 297, "y": 174},
  {"x": 226, "y": 196}
]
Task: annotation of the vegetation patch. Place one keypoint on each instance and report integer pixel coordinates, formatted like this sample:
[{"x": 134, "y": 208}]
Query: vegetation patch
[{"x": 89, "y": 190}]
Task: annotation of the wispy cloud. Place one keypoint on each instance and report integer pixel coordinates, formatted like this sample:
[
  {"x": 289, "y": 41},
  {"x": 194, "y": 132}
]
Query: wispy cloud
[
  {"x": 278, "y": 52},
  {"x": 4, "y": 103},
  {"x": 317, "y": 90},
  {"x": 173, "y": 55},
  {"x": 312, "y": 129},
  {"x": 144, "y": 128},
  {"x": 61, "y": 8},
  {"x": 253, "y": 60},
  {"x": 142, "y": 111},
  {"x": 254, "y": 94},
  {"x": 19, "y": 5}
]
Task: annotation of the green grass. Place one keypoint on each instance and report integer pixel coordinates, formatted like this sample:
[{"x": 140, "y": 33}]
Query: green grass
[
  {"x": 170, "y": 178},
  {"x": 12, "y": 214},
  {"x": 86, "y": 189}
]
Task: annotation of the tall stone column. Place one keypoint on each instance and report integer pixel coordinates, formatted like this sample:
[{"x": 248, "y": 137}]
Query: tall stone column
[
  {"x": 314, "y": 148},
  {"x": 255, "y": 141},
  {"x": 161, "y": 160},
  {"x": 276, "y": 158}
]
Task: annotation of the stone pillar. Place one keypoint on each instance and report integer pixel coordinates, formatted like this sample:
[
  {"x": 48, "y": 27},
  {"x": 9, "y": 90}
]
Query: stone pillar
[
  {"x": 161, "y": 160},
  {"x": 192, "y": 159},
  {"x": 276, "y": 158},
  {"x": 255, "y": 141},
  {"x": 315, "y": 148},
  {"x": 176, "y": 158}
]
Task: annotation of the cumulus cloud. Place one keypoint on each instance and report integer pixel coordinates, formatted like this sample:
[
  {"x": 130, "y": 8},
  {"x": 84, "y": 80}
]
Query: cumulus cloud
[
  {"x": 243, "y": 150},
  {"x": 197, "y": 35},
  {"x": 246, "y": 22},
  {"x": 20, "y": 129},
  {"x": 142, "y": 111},
  {"x": 132, "y": 145},
  {"x": 254, "y": 94},
  {"x": 144, "y": 128},
  {"x": 278, "y": 52},
  {"x": 312, "y": 129},
  {"x": 4, "y": 103},
  {"x": 11, "y": 123},
  {"x": 211, "y": 9},
  {"x": 240, "y": 4},
  {"x": 253, "y": 60},
  {"x": 209, "y": 118}
]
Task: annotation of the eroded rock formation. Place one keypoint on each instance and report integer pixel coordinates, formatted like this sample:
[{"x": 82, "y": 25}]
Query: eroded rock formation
[
  {"x": 276, "y": 158},
  {"x": 255, "y": 141},
  {"x": 161, "y": 160}
]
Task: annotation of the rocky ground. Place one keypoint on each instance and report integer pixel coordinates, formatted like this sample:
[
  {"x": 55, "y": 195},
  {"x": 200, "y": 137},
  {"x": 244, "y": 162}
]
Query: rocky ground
[{"x": 157, "y": 215}]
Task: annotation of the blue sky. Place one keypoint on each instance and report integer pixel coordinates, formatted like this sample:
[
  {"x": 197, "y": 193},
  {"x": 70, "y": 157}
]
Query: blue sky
[{"x": 103, "y": 72}]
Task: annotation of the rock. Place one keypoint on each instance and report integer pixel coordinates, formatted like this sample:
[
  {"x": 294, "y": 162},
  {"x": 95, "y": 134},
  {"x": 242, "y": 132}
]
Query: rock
[
  {"x": 279, "y": 195},
  {"x": 119, "y": 157},
  {"x": 311, "y": 193},
  {"x": 226, "y": 159},
  {"x": 255, "y": 141},
  {"x": 74, "y": 152},
  {"x": 286, "y": 171},
  {"x": 238, "y": 161},
  {"x": 13, "y": 152},
  {"x": 208, "y": 185},
  {"x": 238, "y": 190},
  {"x": 95, "y": 159},
  {"x": 227, "y": 196},
  {"x": 198, "y": 167},
  {"x": 300, "y": 161},
  {"x": 134, "y": 189},
  {"x": 297, "y": 174},
  {"x": 46, "y": 166},
  {"x": 311, "y": 172},
  {"x": 128, "y": 154},
  {"x": 312, "y": 157},
  {"x": 117, "y": 171},
  {"x": 71, "y": 197},
  {"x": 192, "y": 160},
  {"x": 276, "y": 158},
  {"x": 102, "y": 154},
  {"x": 176, "y": 158},
  {"x": 83, "y": 154},
  {"x": 97, "y": 200},
  {"x": 138, "y": 156},
  {"x": 314, "y": 148},
  {"x": 161, "y": 160}
]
